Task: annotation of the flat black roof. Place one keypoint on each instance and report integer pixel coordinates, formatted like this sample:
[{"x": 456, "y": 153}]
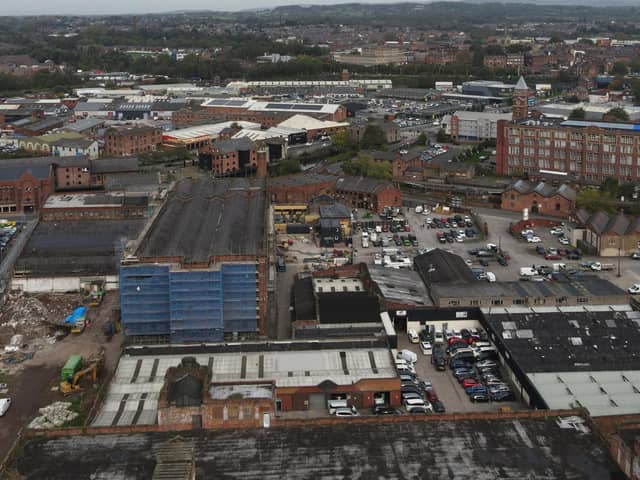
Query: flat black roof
[
  {"x": 204, "y": 218},
  {"x": 461, "y": 449},
  {"x": 303, "y": 299},
  {"x": 86, "y": 247},
  {"x": 348, "y": 307},
  {"x": 568, "y": 340}
]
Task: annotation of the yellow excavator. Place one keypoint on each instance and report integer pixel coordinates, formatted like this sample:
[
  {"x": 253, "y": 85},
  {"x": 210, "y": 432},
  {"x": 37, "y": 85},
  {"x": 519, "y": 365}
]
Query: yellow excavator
[
  {"x": 67, "y": 387},
  {"x": 73, "y": 384}
]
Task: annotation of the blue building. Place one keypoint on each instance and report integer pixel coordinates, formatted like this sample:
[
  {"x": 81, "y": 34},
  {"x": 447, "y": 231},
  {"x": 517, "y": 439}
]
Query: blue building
[{"x": 200, "y": 272}]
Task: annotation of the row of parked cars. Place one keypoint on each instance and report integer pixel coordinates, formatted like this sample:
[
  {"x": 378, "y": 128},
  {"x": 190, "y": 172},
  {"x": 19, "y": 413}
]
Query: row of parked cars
[
  {"x": 457, "y": 221},
  {"x": 552, "y": 253},
  {"x": 476, "y": 369},
  {"x": 418, "y": 396},
  {"x": 8, "y": 230}
]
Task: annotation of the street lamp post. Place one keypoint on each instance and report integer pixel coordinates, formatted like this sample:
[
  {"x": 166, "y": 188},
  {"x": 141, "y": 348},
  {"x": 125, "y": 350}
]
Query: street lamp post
[{"x": 619, "y": 249}]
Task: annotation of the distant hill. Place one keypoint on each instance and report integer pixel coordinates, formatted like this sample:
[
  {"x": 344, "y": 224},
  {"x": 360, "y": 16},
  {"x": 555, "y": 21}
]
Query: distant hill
[{"x": 449, "y": 13}]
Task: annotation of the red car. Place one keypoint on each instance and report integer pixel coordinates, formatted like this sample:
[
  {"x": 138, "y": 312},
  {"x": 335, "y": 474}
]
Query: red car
[
  {"x": 432, "y": 396},
  {"x": 551, "y": 256},
  {"x": 453, "y": 340},
  {"x": 407, "y": 228},
  {"x": 469, "y": 382}
]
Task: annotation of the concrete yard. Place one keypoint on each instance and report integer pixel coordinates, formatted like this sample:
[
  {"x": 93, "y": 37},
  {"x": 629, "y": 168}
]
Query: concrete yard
[{"x": 482, "y": 449}]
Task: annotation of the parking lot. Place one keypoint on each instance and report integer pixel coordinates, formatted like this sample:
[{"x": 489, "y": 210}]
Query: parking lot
[
  {"x": 449, "y": 391},
  {"x": 521, "y": 253}
]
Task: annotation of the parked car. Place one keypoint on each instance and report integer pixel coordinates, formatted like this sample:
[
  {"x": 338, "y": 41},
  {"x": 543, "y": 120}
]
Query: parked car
[
  {"x": 634, "y": 289},
  {"x": 502, "y": 396},
  {"x": 540, "y": 250},
  {"x": 564, "y": 240},
  {"x": 486, "y": 364},
  {"x": 5, "y": 403},
  {"x": 556, "y": 231},
  {"x": 407, "y": 395},
  {"x": 533, "y": 239},
  {"x": 469, "y": 382},
  {"x": 635, "y": 256},
  {"x": 479, "y": 397},
  {"x": 438, "y": 406},
  {"x": 384, "y": 410},
  {"x": 346, "y": 412}
]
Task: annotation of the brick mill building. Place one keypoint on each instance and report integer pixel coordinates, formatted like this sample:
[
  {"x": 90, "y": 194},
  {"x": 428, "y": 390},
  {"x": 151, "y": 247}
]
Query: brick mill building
[
  {"x": 131, "y": 140},
  {"x": 580, "y": 150}
]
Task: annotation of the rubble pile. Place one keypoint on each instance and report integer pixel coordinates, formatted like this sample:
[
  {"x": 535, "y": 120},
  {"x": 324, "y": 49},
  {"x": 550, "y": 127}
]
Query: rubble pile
[
  {"x": 53, "y": 416},
  {"x": 33, "y": 315}
]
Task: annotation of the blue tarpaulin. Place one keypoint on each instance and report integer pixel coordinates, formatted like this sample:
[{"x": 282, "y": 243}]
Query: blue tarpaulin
[{"x": 78, "y": 314}]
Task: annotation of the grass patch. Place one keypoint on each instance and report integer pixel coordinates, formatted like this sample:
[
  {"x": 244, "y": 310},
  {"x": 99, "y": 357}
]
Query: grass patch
[{"x": 6, "y": 378}]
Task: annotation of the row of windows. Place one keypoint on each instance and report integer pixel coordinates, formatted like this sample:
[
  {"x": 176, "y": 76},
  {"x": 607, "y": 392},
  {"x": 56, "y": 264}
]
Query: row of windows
[{"x": 518, "y": 301}]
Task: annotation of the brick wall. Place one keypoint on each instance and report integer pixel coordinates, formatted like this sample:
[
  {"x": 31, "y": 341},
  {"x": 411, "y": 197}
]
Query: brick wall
[
  {"x": 302, "y": 193},
  {"x": 556, "y": 206},
  {"x": 278, "y": 422},
  {"x": 131, "y": 141},
  {"x": 27, "y": 192},
  {"x": 69, "y": 178}
]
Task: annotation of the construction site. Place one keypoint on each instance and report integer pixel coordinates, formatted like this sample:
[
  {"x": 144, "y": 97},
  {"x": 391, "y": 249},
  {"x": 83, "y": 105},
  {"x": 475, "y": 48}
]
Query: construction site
[{"x": 41, "y": 334}]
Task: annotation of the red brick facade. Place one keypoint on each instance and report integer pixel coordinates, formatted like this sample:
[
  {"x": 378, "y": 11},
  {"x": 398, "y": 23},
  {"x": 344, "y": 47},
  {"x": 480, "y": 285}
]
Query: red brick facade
[
  {"x": 228, "y": 163},
  {"x": 587, "y": 153},
  {"x": 281, "y": 191},
  {"x": 26, "y": 194},
  {"x": 266, "y": 119},
  {"x": 69, "y": 177},
  {"x": 299, "y": 190},
  {"x": 131, "y": 140},
  {"x": 555, "y": 206}
]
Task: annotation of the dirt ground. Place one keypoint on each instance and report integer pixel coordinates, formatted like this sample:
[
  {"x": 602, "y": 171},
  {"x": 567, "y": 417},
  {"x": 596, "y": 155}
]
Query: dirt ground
[
  {"x": 30, "y": 382},
  {"x": 29, "y": 315}
]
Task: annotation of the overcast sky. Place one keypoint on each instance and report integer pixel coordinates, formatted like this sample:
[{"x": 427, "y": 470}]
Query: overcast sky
[{"x": 89, "y": 7}]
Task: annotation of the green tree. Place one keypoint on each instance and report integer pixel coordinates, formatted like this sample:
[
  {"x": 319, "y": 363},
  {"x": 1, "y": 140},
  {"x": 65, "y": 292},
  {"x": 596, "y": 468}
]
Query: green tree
[
  {"x": 422, "y": 139},
  {"x": 366, "y": 166},
  {"x": 577, "y": 114},
  {"x": 373, "y": 137},
  {"x": 610, "y": 186},
  {"x": 289, "y": 166},
  {"x": 617, "y": 114},
  {"x": 593, "y": 200},
  {"x": 616, "y": 84},
  {"x": 619, "y": 68},
  {"x": 344, "y": 141},
  {"x": 442, "y": 136},
  {"x": 635, "y": 89}
]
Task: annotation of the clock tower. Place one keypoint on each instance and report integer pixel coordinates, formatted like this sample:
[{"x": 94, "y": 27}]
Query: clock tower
[{"x": 520, "y": 101}]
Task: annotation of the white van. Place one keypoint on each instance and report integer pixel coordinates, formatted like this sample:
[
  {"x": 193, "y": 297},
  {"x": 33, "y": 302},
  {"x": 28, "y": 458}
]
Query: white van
[
  {"x": 5, "y": 403},
  {"x": 528, "y": 272},
  {"x": 408, "y": 356},
  {"x": 334, "y": 405},
  {"x": 491, "y": 277},
  {"x": 413, "y": 336}
]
